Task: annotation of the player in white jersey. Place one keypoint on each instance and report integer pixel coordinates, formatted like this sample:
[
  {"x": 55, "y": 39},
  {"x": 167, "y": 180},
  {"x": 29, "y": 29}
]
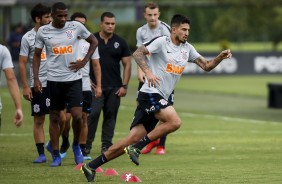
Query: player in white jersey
[
  {"x": 64, "y": 78},
  {"x": 168, "y": 58},
  {"x": 86, "y": 90},
  {"x": 152, "y": 29},
  {"x": 7, "y": 66},
  {"x": 41, "y": 15}
]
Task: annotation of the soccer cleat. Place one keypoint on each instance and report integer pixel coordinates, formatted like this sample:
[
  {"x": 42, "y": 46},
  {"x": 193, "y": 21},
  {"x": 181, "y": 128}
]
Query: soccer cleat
[
  {"x": 133, "y": 153},
  {"x": 150, "y": 146},
  {"x": 57, "y": 161},
  {"x": 49, "y": 147},
  {"x": 160, "y": 150},
  {"x": 88, "y": 172},
  {"x": 41, "y": 159},
  {"x": 63, "y": 155},
  {"x": 78, "y": 157},
  {"x": 64, "y": 148}
]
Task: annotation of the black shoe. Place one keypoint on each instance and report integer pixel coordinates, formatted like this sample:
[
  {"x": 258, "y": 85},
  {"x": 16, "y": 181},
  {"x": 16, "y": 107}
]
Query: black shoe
[
  {"x": 86, "y": 151},
  {"x": 88, "y": 172},
  {"x": 64, "y": 147},
  {"x": 133, "y": 153}
]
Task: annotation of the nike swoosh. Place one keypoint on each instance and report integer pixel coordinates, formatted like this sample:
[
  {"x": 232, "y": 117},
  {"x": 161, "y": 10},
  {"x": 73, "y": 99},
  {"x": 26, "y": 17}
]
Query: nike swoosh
[{"x": 168, "y": 51}]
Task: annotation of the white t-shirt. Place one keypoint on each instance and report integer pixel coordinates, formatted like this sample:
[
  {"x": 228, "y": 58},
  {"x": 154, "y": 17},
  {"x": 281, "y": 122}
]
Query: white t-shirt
[
  {"x": 83, "y": 49},
  {"x": 27, "y": 49},
  {"x": 61, "y": 47},
  {"x": 5, "y": 62},
  {"x": 167, "y": 61}
]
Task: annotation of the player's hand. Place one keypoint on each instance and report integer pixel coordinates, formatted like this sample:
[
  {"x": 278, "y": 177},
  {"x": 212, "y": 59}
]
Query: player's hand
[
  {"x": 75, "y": 66},
  {"x": 37, "y": 86},
  {"x": 27, "y": 94},
  {"x": 140, "y": 75},
  {"x": 121, "y": 92},
  {"x": 226, "y": 54},
  {"x": 98, "y": 91},
  {"x": 18, "y": 118},
  {"x": 153, "y": 80}
]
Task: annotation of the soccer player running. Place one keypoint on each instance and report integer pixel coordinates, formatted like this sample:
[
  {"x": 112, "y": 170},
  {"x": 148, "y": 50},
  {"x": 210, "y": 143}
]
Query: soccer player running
[
  {"x": 152, "y": 29},
  {"x": 6, "y": 64},
  {"x": 86, "y": 87},
  {"x": 41, "y": 15},
  {"x": 113, "y": 51},
  {"x": 168, "y": 59},
  {"x": 64, "y": 78}
]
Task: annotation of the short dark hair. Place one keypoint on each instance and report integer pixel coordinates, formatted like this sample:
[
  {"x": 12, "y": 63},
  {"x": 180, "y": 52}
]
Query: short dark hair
[
  {"x": 39, "y": 10},
  {"x": 179, "y": 19},
  {"x": 59, "y": 6},
  {"x": 151, "y": 5},
  {"x": 107, "y": 14},
  {"x": 78, "y": 15}
]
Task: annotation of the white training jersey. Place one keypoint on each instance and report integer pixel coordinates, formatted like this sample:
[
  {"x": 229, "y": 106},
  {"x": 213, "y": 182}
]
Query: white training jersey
[
  {"x": 145, "y": 34},
  {"x": 27, "y": 49},
  {"x": 83, "y": 49},
  {"x": 61, "y": 47},
  {"x": 5, "y": 62},
  {"x": 167, "y": 62}
]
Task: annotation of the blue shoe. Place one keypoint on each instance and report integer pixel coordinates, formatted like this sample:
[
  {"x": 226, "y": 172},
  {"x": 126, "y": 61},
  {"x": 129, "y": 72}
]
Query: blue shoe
[
  {"x": 41, "y": 159},
  {"x": 49, "y": 147},
  {"x": 63, "y": 155},
  {"x": 78, "y": 157},
  {"x": 57, "y": 161}
]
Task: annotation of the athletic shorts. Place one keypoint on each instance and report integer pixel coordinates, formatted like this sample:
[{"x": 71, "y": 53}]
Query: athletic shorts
[
  {"x": 170, "y": 98},
  {"x": 62, "y": 93},
  {"x": 40, "y": 102},
  {"x": 148, "y": 104}
]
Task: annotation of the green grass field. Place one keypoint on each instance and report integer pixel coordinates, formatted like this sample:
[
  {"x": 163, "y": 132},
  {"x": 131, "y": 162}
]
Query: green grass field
[{"x": 228, "y": 135}]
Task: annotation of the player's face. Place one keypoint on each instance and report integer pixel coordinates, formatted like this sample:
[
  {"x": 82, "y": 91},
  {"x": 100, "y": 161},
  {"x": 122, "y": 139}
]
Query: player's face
[
  {"x": 45, "y": 19},
  {"x": 81, "y": 19},
  {"x": 152, "y": 16},
  {"x": 181, "y": 32},
  {"x": 60, "y": 18},
  {"x": 108, "y": 25}
]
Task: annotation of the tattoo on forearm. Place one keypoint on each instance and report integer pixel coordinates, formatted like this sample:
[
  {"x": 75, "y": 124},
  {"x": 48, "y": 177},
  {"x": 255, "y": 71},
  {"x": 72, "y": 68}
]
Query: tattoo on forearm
[{"x": 139, "y": 58}]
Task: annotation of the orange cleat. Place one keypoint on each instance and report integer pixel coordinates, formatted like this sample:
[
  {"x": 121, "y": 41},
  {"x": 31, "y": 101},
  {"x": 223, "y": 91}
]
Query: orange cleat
[
  {"x": 150, "y": 146},
  {"x": 160, "y": 150}
]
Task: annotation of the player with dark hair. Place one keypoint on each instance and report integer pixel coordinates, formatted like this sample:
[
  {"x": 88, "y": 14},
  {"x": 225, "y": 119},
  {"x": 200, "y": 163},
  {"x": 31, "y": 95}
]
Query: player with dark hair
[
  {"x": 64, "y": 78},
  {"x": 113, "y": 51},
  {"x": 170, "y": 55},
  {"x": 40, "y": 103},
  {"x": 86, "y": 87},
  {"x": 152, "y": 29}
]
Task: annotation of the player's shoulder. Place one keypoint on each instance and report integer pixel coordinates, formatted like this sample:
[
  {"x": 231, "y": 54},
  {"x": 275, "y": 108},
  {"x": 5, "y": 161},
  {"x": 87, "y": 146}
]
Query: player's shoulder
[
  {"x": 164, "y": 25},
  {"x": 45, "y": 28},
  {"x": 29, "y": 34}
]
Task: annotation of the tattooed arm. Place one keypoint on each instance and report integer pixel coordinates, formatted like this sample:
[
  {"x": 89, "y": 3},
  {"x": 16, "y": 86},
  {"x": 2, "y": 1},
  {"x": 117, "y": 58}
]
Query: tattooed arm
[
  {"x": 139, "y": 57},
  {"x": 208, "y": 65}
]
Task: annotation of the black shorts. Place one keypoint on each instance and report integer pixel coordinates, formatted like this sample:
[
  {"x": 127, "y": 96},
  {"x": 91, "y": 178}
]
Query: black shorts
[
  {"x": 87, "y": 101},
  {"x": 170, "y": 98},
  {"x": 62, "y": 93},
  {"x": 40, "y": 102},
  {"x": 148, "y": 104}
]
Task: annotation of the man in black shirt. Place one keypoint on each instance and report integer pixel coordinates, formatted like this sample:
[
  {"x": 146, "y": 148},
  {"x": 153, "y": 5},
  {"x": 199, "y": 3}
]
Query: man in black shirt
[{"x": 112, "y": 50}]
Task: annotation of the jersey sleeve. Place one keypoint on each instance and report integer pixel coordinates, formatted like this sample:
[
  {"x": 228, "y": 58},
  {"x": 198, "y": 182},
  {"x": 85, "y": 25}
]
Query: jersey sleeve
[
  {"x": 155, "y": 45},
  {"x": 95, "y": 54},
  {"x": 83, "y": 31},
  {"x": 5, "y": 59},
  {"x": 24, "y": 50},
  {"x": 193, "y": 54},
  {"x": 138, "y": 38},
  {"x": 39, "y": 41},
  {"x": 125, "y": 49}
]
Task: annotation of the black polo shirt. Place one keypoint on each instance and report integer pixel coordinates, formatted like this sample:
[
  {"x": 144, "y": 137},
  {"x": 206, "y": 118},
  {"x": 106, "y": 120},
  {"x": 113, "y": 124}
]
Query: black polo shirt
[{"x": 110, "y": 57}]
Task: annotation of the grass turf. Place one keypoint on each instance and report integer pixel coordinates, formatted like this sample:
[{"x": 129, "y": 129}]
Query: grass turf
[{"x": 228, "y": 135}]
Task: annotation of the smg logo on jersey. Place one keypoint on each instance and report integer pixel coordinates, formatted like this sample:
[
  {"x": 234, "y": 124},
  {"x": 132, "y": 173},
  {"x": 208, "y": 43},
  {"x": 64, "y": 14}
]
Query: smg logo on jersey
[
  {"x": 62, "y": 50},
  {"x": 175, "y": 69}
]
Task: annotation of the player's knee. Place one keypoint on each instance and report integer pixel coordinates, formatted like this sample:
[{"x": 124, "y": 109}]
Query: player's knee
[{"x": 176, "y": 124}]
